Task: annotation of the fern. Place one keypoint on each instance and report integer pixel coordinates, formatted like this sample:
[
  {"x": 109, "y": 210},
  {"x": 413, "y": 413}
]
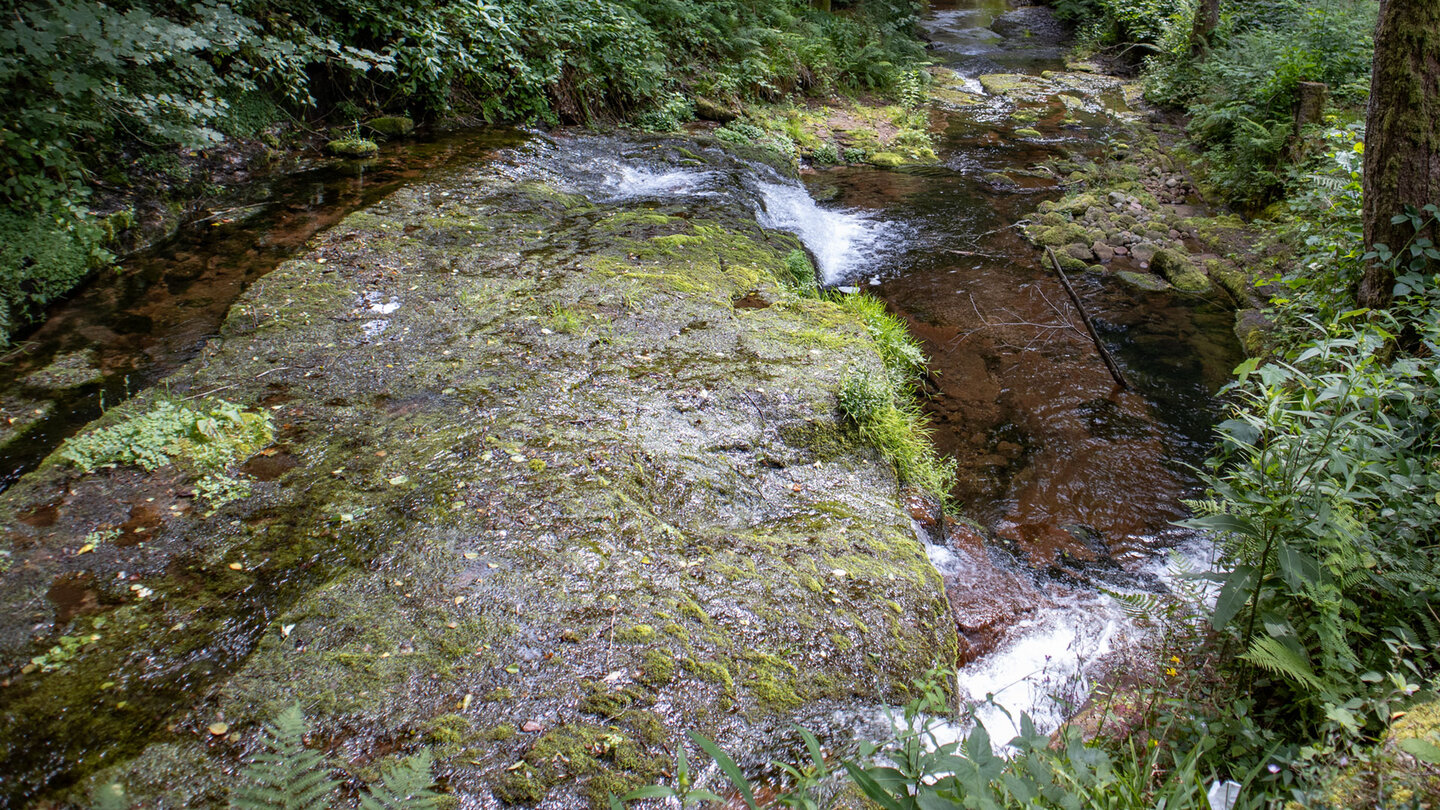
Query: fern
[
  {"x": 406, "y": 786},
  {"x": 287, "y": 776},
  {"x": 1271, "y": 655}
]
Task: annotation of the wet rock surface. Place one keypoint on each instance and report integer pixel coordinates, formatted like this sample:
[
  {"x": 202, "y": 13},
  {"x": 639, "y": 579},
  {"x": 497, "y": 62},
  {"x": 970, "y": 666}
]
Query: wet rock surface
[{"x": 543, "y": 491}]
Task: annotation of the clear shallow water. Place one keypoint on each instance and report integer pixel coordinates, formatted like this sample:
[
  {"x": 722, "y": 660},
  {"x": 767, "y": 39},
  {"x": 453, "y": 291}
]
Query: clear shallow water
[{"x": 1076, "y": 483}]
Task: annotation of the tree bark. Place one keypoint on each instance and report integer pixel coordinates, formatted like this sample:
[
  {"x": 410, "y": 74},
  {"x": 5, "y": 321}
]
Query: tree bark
[
  {"x": 1207, "y": 19},
  {"x": 1402, "y": 132}
]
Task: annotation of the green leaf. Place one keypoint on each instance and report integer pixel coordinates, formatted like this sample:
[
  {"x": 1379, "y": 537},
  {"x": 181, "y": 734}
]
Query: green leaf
[
  {"x": 871, "y": 788},
  {"x": 1233, "y": 596},
  {"x": 1423, "y": 750},
  {"x": 728, "y": 766}
]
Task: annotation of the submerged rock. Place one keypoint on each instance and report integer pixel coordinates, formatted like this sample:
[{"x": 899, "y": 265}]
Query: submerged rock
[{"x": 540, "y": 471}]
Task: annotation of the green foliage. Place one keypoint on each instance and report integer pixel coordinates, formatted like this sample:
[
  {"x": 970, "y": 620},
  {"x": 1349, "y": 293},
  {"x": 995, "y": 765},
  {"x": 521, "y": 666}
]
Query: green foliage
[
  {"x": 406, "y": 786},
  {"x": 882, "y": 406},
  {"x": 913, "y": 770},
  {"x": 801, "y": 272},
  {"x": 289, "y": 776},
  {"x": 1242, "y": 96},
  {"x": 286, "y": 775},
  {"x": 206, "y": 438},
  {"x": 42, "y": 256}
]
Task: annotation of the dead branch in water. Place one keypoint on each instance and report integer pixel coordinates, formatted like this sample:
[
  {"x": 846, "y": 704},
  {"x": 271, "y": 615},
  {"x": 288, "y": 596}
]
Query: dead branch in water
[{"x": 1089, "y": 325}]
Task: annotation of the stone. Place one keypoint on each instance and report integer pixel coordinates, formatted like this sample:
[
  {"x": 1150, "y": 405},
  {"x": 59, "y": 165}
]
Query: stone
[
  {"x": 1080, "y": 252},
  {"x": 1143, "y": 252},
  {"x": 1103, "y": 252},
  {"x": 1028, "y": 133},
  {"x": 1177, "y": 269},
  {"x": 887, "y": 160},
  {"x": 391, "y": 126},
  {"x": 710, "y": 110},
  {"x": 353, "y": 148},
  {"x": 1143, "y": 281}
]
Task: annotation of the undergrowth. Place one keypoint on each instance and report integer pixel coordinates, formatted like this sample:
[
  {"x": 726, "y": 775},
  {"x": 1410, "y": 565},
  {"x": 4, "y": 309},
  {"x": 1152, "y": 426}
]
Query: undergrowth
[{"x": 207, "y": 439}]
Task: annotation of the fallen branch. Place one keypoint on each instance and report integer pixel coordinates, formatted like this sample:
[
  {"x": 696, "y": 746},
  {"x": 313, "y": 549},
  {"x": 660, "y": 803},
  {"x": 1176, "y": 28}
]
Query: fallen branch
[{"x": 1089, "y": 325}]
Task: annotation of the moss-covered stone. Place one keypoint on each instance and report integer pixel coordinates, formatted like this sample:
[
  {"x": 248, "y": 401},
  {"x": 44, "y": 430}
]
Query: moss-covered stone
[
  {"x": 404, "y": 559},
  {"x": 1143, "y": 281},
  {"x": 353, "y": 147},
  {"x": 887, "y": 160},
  {"x": 391, "y": 126},
  {"x": 1177, "y": 269}
]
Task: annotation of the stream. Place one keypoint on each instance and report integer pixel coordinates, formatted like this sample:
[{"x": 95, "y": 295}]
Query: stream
[{"x": 1070, "y": 486}]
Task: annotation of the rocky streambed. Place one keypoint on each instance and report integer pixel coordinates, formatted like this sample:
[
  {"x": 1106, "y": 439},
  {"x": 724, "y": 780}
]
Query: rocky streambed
[{"x": 537, "y": 463}]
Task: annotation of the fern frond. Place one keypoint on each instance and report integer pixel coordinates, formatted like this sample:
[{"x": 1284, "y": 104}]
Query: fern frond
[
  {"x": 288, "y": 776},
  {"x": 1271, "y": 655},
  {"x": 406, "y": 786},
  {"x": 1139, "y": 605}
]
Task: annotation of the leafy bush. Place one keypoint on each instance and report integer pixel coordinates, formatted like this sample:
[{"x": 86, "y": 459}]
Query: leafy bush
[{"x": 1242, "y": 97}]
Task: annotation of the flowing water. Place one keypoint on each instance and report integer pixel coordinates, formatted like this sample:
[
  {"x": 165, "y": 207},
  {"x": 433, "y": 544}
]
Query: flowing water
[{"x": 1077, "y": 482}]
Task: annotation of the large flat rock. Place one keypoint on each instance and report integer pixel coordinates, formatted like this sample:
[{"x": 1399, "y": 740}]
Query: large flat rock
[{"x": 533, "y": 469}]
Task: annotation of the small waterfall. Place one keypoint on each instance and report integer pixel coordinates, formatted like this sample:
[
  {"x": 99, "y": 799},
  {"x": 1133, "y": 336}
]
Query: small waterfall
[{"x": 843, "y": 242}]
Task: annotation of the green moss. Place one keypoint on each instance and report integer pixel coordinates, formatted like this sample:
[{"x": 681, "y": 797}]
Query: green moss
[
  {"x": 447, "y": 728},
  {"x": 1179, "y": 271},
  {"x": 601, "y": 701},
  {"x": 887, "y": 160},
  {"x": 391, "y": 126},
  {"x": 636, "y": 634},
  {"x": 658, "y": 668},
  {"x": 353, "y": 147},
  {"x": 712, "y": 672},
  {"x": 605, "y": 761},
  {"x": 1028, "y": 133},
  {"x": 500, "y": 733}
]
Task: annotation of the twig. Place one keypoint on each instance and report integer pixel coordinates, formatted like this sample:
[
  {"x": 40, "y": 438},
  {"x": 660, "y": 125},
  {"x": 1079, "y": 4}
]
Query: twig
[{"x": 1089, "y": 325}]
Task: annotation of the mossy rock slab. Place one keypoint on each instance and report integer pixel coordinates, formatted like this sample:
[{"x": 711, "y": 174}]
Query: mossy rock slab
[
  {"x": 1177, "y": 269},
  {"x": 888, "y": 160},
  {"x": 528, "y": 451}
]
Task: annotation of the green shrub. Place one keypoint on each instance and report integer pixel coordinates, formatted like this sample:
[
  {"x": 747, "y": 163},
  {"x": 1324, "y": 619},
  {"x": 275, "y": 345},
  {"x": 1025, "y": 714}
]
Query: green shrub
[{"x": 42, "y": 257}]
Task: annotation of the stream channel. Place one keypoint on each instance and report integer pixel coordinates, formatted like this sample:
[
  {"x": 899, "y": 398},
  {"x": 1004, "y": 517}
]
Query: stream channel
[{"x": 1071, "y": 485}]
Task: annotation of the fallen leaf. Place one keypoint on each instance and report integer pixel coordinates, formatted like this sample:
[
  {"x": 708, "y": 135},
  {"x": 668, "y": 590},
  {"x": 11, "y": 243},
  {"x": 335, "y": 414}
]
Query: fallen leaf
[
  {"x": 465, "y": 702},
  {"x": 85, "y": 549},
  {"x": 472, "y": 555},
  {"x": 513, "y": 669},
  {"x": 399, "y": 479},
  {"x": 532, "y": 726},
  {"x": 235, "y": 566},
  {"x": 219, "y": 729}
]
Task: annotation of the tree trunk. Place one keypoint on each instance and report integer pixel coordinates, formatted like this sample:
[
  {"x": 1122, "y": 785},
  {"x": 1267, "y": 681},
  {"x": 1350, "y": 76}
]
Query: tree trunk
[
  {"x": 1207, "y": 19},
  {"x": 1402, "y": 132}
]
